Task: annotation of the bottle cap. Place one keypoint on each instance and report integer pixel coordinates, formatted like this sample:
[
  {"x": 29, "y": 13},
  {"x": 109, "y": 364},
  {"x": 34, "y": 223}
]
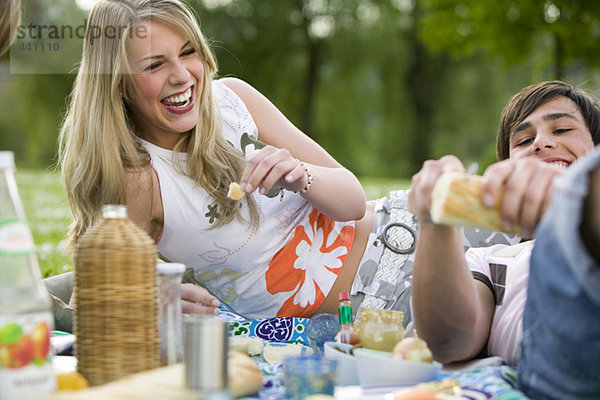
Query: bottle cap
[
  {"x": 114, "y": 211},
  {"x": 7, "y": 159},
  {"x": 170, "y": 268},
  {"x": 344, "y": 296}
]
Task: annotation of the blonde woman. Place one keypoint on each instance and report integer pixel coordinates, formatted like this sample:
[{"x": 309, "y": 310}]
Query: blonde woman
[
  {"x": 10, "y": 16},
  {"x": 150, "y": 126}
]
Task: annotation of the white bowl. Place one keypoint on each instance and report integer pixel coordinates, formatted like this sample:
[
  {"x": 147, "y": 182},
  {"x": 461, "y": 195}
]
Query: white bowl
[
  {"x": 346, "y": 373},
  {"x": 380, "y": 368}
]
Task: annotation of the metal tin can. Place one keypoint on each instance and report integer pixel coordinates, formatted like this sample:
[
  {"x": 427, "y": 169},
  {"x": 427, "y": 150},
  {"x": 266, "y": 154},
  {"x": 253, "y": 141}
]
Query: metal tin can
[{"x": 205, "y": 355}]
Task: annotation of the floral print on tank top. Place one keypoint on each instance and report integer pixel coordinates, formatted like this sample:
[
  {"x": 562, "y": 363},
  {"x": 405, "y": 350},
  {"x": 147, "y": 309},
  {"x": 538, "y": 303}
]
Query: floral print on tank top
[{"x": 308, "y": 265}]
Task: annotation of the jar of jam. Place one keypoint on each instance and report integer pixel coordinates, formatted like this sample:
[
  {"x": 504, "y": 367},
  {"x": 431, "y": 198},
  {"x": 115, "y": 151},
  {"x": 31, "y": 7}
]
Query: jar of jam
[{"x": 380, "y": 329}]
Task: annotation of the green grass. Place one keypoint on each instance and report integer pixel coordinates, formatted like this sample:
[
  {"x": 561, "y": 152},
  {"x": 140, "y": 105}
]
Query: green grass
[
  {"x": 49, "y": 216},
  {"x": 48, "y": 213},
  {"x": 379, "y": 187}
]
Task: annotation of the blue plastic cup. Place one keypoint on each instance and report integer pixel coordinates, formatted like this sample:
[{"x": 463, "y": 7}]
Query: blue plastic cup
[
  {"x": 322, "y": 328},
  {"x": 305, "y": 375}
]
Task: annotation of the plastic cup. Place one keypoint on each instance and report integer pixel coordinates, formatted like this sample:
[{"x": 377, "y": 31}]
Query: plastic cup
[
  {"x": 322, "y": 328},
  {"x": 306, "y": 375}
]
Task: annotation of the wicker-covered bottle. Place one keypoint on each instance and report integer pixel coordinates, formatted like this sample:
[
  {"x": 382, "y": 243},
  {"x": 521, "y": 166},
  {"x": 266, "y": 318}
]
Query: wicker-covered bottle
[{"x": 116, "y": 306}]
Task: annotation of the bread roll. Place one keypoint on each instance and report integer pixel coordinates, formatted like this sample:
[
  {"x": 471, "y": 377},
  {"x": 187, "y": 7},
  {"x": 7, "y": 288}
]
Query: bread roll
[
  {"x": 456, "y": 200},
  {"x": 252, "y": 346},
  {"x": 245, "y": 379},
  {"x": 277, "y": 352},
  {"x": 413, "y": 349}
]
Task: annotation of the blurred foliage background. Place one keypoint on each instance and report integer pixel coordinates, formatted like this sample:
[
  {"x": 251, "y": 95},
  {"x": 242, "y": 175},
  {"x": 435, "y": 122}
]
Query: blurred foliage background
[{"x": 381, "y": 84}]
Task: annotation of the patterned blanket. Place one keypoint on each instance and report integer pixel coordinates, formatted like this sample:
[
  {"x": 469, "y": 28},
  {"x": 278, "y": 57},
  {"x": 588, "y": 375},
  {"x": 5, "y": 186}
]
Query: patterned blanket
[{"x": 490, "y": 382}]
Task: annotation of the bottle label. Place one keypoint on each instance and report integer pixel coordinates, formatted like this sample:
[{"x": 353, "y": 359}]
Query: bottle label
[
  {"x": 25, "y": 356},
  {"x": 15, "y": 238},
  {"x": 345, "y": 314}
]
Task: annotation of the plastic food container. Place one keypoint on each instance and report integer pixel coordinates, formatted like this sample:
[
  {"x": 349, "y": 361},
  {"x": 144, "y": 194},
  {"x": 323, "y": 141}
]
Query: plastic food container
[
  {"x": 346, "y": 363},
  {"x": 380, "y": 368},
  {"x": 379, "y": 329}
]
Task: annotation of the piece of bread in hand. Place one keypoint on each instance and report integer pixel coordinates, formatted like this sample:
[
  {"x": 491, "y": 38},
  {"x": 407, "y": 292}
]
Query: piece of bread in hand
[
  {"x": 456, "y": 200},
  {"x": 235, "y": 192}
]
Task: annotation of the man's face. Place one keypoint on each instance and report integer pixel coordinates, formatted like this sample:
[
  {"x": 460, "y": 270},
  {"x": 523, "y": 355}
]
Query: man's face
[{"x": 555, "y": 132}]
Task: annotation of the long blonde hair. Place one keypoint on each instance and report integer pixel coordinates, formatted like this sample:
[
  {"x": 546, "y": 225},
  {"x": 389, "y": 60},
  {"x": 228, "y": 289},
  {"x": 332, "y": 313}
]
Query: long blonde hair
[
  {"x": 97, "y": 144},
  {"x": 10, "y": 16}
]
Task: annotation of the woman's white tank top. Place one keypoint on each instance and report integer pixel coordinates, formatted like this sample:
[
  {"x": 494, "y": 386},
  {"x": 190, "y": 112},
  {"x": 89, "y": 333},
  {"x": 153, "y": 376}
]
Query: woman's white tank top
[{"x": 285, "y": 266}]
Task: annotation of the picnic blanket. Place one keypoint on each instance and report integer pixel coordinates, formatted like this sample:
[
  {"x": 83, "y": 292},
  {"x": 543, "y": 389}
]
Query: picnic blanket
[
  {"x": 278, "y": 329},
  {"x": 489, "y": 382},
  {"x": 492, "y": 382}
]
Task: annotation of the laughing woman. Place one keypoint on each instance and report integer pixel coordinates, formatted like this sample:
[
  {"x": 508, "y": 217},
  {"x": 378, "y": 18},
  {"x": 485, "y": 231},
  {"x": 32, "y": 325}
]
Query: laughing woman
[{"x": 149, "y": 125}]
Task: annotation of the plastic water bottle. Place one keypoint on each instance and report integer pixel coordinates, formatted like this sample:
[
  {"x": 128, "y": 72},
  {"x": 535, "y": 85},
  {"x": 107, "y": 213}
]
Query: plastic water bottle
[{"x": 25, "y": 307}]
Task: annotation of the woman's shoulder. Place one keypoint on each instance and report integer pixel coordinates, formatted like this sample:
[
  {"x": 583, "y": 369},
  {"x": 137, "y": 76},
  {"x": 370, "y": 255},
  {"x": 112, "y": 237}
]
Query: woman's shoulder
[
  {"x": 234, "y": 107},
  {"x": 224, "y": 87},
  {"x": 233, "y": 84},
  {"x": 240, "y": 88}
]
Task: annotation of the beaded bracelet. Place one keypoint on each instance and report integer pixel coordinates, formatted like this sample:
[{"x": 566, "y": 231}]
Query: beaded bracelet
[{"x": 309, "y": 178}]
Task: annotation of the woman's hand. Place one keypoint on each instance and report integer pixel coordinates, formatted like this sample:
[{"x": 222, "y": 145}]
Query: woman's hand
[
  {"x": 423, "y": 182},
  {"x": 197, "y": 300},
  {"x": 273, "y": 167},
  {"x": 525, "y": 186}
]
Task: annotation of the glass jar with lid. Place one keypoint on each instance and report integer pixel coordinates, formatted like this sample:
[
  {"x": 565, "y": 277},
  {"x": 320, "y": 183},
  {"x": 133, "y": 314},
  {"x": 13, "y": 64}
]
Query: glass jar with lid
[{"x": 380, "y": 329}]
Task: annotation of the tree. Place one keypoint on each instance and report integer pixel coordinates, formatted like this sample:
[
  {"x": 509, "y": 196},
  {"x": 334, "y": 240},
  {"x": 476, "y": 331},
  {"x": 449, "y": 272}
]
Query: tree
[
  {"x": 355, "y": 75},
  {"x": 513, "y": 29},
  {"x": 39, "y": 75}
]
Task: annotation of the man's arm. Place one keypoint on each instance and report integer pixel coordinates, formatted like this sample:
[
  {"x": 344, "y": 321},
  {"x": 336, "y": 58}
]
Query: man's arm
[{"x": 452, "y": 311}]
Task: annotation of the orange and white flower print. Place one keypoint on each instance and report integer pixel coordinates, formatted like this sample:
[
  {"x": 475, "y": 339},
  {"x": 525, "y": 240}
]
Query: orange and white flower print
[{"x": 309, "y": 264}]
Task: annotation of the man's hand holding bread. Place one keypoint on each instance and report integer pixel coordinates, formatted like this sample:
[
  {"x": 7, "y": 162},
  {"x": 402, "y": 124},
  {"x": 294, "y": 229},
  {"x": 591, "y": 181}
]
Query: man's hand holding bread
[{"x": 511, "y": 196}]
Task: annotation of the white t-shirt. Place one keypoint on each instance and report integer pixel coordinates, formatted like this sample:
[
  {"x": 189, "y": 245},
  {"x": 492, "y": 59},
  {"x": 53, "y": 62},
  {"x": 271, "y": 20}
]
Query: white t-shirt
[
  {"x": 505, "y": 269},
  {"x": 284, "y": 267}
]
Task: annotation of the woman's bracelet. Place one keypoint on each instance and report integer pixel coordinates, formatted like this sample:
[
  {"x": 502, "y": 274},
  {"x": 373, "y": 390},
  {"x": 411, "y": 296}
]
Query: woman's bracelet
[{"x": 309, "y": 178}]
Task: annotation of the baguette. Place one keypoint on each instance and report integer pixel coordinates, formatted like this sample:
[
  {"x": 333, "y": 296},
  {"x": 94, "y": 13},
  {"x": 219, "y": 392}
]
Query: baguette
[{"x": 456, "y": 200}]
